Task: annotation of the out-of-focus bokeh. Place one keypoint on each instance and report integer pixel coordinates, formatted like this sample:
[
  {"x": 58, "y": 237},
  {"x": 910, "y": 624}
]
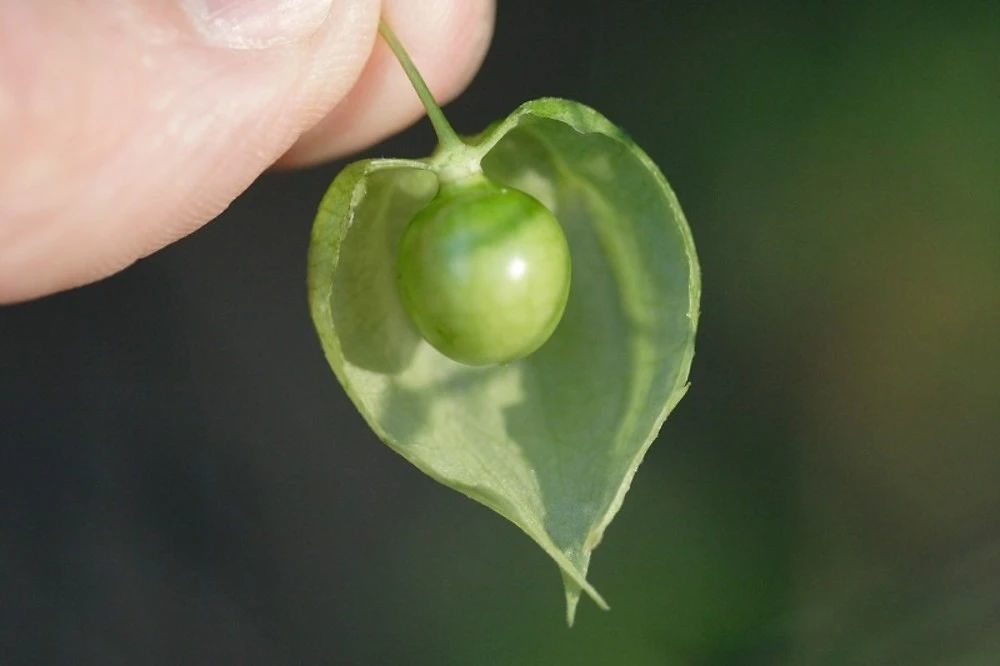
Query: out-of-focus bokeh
[{"x": 182, "y": 480}]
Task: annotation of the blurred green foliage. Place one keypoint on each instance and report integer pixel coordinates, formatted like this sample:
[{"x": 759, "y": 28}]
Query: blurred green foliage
[{"x": 829, "y": 491}]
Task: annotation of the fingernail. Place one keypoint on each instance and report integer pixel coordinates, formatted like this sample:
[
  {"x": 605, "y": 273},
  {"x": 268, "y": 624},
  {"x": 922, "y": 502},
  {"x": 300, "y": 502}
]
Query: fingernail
[{"x": 256, "y": 24}]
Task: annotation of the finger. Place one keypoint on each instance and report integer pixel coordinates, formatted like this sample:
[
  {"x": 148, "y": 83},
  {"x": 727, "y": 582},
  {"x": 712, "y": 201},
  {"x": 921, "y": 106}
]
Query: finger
[
  {"x": 447, "y": 39},
  {"x": 125, "y": 125}
]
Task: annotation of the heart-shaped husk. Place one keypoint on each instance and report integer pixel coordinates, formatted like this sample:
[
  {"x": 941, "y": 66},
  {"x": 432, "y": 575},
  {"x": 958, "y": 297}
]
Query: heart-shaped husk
[{"x": 551, "y": 441}]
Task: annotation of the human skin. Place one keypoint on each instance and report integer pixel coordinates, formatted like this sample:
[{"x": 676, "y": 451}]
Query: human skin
[{"x": 127, "y": 124}]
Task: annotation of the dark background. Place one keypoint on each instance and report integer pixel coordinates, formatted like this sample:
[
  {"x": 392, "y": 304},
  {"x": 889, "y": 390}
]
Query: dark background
[{"x": 182, "y": 479}]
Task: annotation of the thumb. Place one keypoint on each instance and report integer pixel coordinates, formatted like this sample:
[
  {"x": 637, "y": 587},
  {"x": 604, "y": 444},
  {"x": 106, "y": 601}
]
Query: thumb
[{"x": 126, "y": 124}]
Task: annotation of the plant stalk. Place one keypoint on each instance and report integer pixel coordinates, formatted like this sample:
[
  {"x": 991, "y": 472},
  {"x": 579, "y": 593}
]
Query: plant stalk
[{"x": 445, "y": 133}]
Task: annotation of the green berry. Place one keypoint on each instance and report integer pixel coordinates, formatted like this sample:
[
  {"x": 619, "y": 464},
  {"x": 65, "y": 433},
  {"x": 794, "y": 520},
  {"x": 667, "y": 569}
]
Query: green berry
[{"x": 484, "y": 273}]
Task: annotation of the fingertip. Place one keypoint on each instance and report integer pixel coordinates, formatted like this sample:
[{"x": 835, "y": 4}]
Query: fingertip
[
  {"x": 131, "y": 128},
  {"x": 447, "y": 40}
]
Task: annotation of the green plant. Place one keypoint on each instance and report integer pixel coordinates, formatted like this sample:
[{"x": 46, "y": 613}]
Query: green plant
[
  {"x": 484, "y": 272},
  {"x": 548, "y": 436}
]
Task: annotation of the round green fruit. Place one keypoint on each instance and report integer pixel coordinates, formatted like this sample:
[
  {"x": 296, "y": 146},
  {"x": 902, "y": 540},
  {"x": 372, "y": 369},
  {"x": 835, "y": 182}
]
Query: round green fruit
[{"x": 484, "y": 273}]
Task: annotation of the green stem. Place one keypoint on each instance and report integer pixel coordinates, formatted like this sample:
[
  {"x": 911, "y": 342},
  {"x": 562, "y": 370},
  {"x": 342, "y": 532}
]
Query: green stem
[{"x": 446, "y": 135}]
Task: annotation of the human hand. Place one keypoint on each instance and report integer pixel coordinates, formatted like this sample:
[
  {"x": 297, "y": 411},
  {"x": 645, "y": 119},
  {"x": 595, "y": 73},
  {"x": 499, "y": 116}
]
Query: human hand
[{"x": 127, "y": 124}]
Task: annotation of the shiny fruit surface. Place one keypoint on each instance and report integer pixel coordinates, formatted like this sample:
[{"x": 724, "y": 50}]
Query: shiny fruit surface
[{"x": 484, "y": 273}]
